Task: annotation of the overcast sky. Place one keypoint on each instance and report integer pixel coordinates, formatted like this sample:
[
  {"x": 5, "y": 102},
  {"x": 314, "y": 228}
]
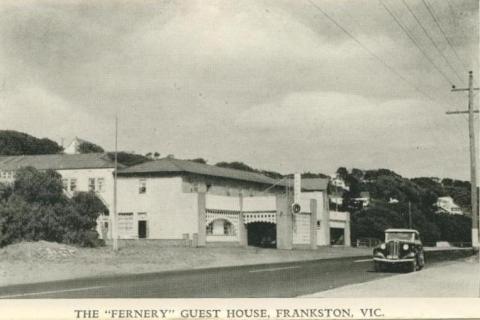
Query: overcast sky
[{"x": 274, "y": 84}]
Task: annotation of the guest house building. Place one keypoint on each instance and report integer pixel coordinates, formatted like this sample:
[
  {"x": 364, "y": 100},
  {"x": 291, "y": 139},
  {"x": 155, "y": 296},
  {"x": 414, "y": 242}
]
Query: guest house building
[{"x": 181, "y": 201}]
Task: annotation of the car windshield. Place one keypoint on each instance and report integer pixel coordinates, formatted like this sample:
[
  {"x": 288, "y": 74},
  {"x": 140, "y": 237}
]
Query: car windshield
[{"x": 405, "y": 236}]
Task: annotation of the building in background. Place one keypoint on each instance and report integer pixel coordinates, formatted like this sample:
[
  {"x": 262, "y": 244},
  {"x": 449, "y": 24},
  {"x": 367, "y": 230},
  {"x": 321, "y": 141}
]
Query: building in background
[
  {"x": 74, "y": 146},
  {"x": 447, "y": 205},
  {"x": 80, "y": 172}
]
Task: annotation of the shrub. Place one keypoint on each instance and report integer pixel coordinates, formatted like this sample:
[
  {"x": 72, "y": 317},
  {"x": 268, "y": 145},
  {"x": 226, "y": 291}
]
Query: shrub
[{"x": 36, "y": 209}]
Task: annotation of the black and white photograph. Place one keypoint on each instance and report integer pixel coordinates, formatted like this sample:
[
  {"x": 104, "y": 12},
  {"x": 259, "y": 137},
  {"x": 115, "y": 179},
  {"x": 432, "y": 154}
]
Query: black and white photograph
[{"x": 186, "y": 149}]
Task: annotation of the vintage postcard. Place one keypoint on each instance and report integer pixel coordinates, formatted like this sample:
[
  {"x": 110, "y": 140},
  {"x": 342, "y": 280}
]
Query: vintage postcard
[{"x": 257, "y": 159}]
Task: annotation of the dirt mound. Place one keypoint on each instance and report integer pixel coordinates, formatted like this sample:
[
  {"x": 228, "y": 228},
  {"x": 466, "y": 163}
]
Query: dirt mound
[{"x": 39, "y": 251}]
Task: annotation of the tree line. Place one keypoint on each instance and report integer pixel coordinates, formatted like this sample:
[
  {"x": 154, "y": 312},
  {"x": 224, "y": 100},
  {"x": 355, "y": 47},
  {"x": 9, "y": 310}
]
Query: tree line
[{"x": 392, "y": 197}]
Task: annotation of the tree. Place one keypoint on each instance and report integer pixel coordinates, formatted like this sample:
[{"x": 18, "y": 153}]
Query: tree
[
  {"x": 42, "y": 187},
  {"x": 128, "y": 158},
  {"x": 36, "y": 209},
  {"x": 454, "y": 228},
  {"x": 357, "y": 173},
  {"x": 314, "y": 175},
  {"x": 88, "y": 147},
  {"x": 374, "y": 174},
  {"x": 342, "y": 172},
  {"x": 430, "y": 184},
  {"x": 18, "y": 143},
  {"x": 372, "y": 222},
  {"x": 152, "y": 156},
  {"x": 271, "y": 174},
  {"x": 236, "y": 165},
  {"x": 199, "y": 160},
  {"x": 81, "y": 218}
]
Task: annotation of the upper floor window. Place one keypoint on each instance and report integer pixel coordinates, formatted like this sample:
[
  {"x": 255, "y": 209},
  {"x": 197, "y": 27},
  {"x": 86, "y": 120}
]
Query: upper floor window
[
  {"x": 65, "y": 184},
  {"x": 91, "y": 184},
  {"x": 73, "y": 184},
  {"x": 142, "y": 186},
  {"x": 100, "y": 184}
]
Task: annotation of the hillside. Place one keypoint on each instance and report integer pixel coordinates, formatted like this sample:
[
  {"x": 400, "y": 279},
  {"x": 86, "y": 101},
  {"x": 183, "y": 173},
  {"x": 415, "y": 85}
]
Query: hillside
[
  {"x": 14, "y": 143},
  {"x": 391, "y": 196}
]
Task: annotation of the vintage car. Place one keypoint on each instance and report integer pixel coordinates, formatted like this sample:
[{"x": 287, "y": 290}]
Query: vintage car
[{"x": 402, "y": 247}]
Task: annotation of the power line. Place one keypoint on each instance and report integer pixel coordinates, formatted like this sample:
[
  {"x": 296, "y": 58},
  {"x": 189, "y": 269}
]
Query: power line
[
  {"x": 430, "y": 10},
  {"x": 431, "y": 39},
  {"x": 331, "y": 19},
  {"x": 389, "y": 67},
  {"x": 407, "y": 32}
]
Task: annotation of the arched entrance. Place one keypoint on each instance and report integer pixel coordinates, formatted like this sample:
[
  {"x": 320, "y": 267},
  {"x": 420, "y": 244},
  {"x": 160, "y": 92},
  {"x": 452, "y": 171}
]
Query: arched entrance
[
  {"x": 262, "y": 234},
  {"x": 261, "y": 228}
]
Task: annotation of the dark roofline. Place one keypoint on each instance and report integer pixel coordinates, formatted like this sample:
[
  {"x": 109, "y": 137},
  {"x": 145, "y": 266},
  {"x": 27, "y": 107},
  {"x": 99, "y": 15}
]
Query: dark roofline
[
  {"x": 183, "y": 166},
  {"x": 16, "y": 161}
]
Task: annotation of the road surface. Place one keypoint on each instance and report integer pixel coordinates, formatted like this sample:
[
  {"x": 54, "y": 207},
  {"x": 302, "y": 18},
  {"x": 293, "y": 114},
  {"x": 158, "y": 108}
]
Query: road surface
[{"x": 271, "y": 280}]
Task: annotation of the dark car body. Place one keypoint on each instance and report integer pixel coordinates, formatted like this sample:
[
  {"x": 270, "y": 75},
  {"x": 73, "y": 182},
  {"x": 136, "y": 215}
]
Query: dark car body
[{"x": 402, "y": 247}]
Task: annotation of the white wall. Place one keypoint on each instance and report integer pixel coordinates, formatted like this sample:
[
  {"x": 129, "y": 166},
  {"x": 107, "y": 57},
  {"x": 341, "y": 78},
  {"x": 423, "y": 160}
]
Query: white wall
[
  {"x": 305, "y": 201},
  {"x": 338, "y": 215},
  {"x": 267, "y": 203},
  {"x": 170, "y": 212},
  {"x": 82, "y": 176},
  {"x": 222, "y": 202}
]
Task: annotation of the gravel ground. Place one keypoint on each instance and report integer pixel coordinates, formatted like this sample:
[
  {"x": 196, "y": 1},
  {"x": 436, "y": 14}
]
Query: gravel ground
[
  {"x": 31, "y": 262},
  {"x": 459, "y": 278}
]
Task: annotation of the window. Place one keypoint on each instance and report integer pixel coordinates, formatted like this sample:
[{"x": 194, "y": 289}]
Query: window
[
  {"x": 100, "y": 184},
  {"x": 210, "y": 229},
  {"x": 142, "y": 229},
  {"x": 142, "y": 187},
  {"x": 220, "y": 227},
  {"x": 73, "y": 184},
  {"x": 91, "y": 184},
  {"x": 65, "y": 184},
  {"x": 125, "y": 223}
]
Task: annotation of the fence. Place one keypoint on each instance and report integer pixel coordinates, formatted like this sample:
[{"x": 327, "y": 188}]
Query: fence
[{"x": 367, "y": 242}]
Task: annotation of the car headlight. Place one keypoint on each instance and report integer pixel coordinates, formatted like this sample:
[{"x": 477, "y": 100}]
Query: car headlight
[
  {"x": 383, "y": 246},
  {"x": 405, "y": 247}
]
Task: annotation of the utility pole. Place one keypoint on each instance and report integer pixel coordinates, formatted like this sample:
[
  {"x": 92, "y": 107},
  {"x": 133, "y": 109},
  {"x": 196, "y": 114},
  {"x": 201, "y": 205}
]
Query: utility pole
[
  {"x": 114, "y": 215},
  {"x": 473, "y": 155},
  {"x": 409, "y": 214}
]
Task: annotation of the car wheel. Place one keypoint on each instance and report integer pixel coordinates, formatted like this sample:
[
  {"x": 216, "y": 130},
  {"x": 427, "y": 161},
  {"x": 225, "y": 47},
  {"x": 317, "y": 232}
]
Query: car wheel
[
  {"x": 413, "y": 266},
  {"x": 421, "y": 261},
  {"x": 377, "y": 266},
  {"x": 419, "y": 266}
]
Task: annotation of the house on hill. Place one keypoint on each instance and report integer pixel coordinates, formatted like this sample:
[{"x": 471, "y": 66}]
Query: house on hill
[
  {"x": 447, "y": 205},
  {"x": 74, "y": 146}
]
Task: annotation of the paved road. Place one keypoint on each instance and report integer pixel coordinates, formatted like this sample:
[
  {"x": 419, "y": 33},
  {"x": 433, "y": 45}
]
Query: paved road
[{"x": 273, "y": 280}]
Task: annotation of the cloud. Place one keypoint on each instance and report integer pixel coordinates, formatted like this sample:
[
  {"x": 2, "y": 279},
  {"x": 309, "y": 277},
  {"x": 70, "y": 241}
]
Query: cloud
[
  {"x": 217, "y": 78},
  {"x": 335, "y": 111},
  {"x": 39, "y": 112}
]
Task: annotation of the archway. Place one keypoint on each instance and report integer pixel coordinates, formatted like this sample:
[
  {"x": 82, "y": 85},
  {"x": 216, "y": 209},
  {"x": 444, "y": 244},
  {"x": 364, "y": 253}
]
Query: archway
[{"x": 262, "y": 234}]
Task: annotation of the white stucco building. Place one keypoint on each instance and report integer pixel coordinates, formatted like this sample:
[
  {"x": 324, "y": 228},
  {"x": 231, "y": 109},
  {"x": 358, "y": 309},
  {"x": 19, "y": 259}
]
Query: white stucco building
[
  {"x": 173, "y": 200},
  {"x": 80, "y": 172},
  {"x": 183, "y": 201}
]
